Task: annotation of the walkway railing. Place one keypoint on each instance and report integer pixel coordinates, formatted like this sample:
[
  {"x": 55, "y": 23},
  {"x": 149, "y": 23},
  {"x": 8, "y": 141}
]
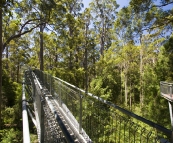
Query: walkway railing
[
  {"x": 26, "y": 134},
  {"x": 45, "y": 113},
  {"x": 103, "y": 121},
  {"x": 166, "y": 90}
]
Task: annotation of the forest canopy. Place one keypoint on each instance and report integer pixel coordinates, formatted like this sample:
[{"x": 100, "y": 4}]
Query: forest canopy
[{"x": 120, "y": 55}]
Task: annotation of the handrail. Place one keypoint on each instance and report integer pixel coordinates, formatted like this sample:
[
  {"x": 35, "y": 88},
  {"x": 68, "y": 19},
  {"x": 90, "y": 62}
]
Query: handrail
[
  {"x": 26, "y": 134},
  {"x": 166, "y": 90},
  {"x": 159, "y": 127},
  {"x": 66, "y": 92},
  {"x": 166, "y": 83}
]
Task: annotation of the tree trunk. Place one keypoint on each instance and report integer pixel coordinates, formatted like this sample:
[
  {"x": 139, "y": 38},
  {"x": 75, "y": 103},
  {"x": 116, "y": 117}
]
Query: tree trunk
[
  {"x": 77, "y": 65},
  {"x": 0, "y": 63},
  {"x": 121, "y": 85},
  {"x": 56, "y": 56},
  {"x": 102, "y": 40},
  {"x": 94, "y": 68},
  {"x": 86, "y": 63},
  {"x": 126, "y": 89},
  {"x": 130, "y": 102},
  {"x": 18, "y": 69},
  {"x": 102, "y": 46},
  {"x": 41, "y": 48},
  {"x": 7, "y": 58},
  {"x": 71, "y": 54},
  {"x": 141, "y": 76},
  {"x": 125, "y": 83},
  {"x": 71, "y": 47}
]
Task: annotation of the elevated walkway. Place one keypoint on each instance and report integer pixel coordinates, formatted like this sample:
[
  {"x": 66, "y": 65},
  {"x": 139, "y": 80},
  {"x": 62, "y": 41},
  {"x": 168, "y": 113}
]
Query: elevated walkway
[
  {"x": 65, "y": 113},
  {"x": 49, "y": 118}
]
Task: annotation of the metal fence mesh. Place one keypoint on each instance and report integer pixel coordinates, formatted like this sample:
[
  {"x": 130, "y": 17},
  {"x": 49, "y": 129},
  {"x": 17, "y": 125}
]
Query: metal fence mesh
[
  {"x": 100, "y": 120},
  {"x": 166, "y": 90}
]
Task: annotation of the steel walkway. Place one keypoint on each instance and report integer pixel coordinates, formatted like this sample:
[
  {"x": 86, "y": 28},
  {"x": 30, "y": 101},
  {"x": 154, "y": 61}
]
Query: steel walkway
[{"x": 63, "y": 113}]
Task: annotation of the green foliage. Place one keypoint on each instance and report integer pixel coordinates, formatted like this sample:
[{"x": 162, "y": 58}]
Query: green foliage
[
  {"x": 169, "y": 51},
  {"x": 11, "y": 112},
  {"x": 34, "y": 138},
  {"x": 117, "y": 56},
  {"x": 8, "y": 89},
  {"x": 152, "y": 77},
  {"x": 154, "y": 13},
  {"x": 11, "y": 136},
  {"x": 8, "y": 115},
  {"x": 107, "y": 83}
]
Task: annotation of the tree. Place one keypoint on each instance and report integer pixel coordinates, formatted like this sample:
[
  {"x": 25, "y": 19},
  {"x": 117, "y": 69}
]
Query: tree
[
  {"x": 160, "y": 18},
  {"x": 104, "y": 13},
  {"x": 73, "y": 8},
  {"x": 18, "y": 55},
  {"x": 86, "y": 19},
  {"x": 45, "y": 10},
  {"x": 1, "y": 47},
  {"x": 21, "y": 30},
  {"x": 68, "y": 30},
  {"x": 169, "y": 50}
]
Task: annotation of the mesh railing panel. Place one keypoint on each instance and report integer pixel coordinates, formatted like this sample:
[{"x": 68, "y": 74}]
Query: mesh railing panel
[
  {"x": 104, "y": 124},
  {"x": 166, "y": 90},
  {"x": 101, "y": 120}
]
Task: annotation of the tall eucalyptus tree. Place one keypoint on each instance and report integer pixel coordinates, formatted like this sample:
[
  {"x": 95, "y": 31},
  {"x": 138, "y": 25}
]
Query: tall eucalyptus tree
[
  {"x": 73, "y": 10},
  {"x": 17, "y": 20},
  {"x": 104, "y": 13},
  {"x": 1, "y": 47},
  {"x": 87, "y": 20}
]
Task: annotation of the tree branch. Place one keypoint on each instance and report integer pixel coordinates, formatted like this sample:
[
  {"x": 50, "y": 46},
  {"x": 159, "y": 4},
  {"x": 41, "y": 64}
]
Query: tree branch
[
  {"x": 27, "y": 22},
  {"x": 165, "y": 4},
  {"x": 153, "y": 27},
  {"x": 20, "y": 33}
]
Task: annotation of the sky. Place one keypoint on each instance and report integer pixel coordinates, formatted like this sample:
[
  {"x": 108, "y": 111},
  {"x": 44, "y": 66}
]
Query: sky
[{"x": 122, "y": 3}]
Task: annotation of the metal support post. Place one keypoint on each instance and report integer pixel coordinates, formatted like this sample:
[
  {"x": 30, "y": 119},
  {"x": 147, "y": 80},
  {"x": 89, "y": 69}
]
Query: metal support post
[
  {"x": 42, "y": 121},
  {"x": 33, "y": 85},
  {"x": 47, "y": 81},
  {"x": 60, "y": 91},
  {"x": 43, "y": 80},
  {"x": 41, "y": 76},
  {"x": 170, "y": 90},
  {"x": 80, "y": 116},
  {"x": 26, "y": 134},
  {"x": 171, "y": 117},
  {"x": 51, "y": 84},
  {"x": 170, "y": 112}
]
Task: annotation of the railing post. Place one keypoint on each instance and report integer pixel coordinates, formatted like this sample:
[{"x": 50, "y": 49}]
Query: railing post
[
  {"x": 47, "y": 81},
  {"x": 60, "y": 91},
  {"x": 41, "y": 77},
  {"x": 42, "y": 121},
  {"x": 80, "y": 116},
  {"x": 26, "y": 135},
  {"x": 170, "y": 112},
  {"x": 51, "y": 85},
  {"x": 170, "y": 90},
  {"x": 43, "y": 80}
]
